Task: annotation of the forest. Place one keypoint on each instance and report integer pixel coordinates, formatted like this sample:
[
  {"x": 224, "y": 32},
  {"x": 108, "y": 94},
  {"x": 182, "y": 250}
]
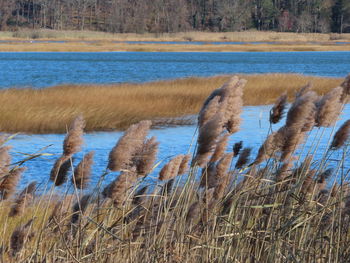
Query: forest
[{"x": 158, "y": 16}]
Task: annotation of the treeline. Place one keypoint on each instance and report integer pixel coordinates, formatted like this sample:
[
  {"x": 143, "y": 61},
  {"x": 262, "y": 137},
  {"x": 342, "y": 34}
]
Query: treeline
[{"x": 177, "y": 15}]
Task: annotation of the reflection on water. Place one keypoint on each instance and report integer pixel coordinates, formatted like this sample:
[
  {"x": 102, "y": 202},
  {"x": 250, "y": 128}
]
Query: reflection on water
[{"x": 173, "y": 141}]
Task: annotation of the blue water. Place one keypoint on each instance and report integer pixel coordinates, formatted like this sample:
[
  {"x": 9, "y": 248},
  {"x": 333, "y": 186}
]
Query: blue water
[
  {"x": 173, "y": 141},
  {"x": 30, "y": 69}
]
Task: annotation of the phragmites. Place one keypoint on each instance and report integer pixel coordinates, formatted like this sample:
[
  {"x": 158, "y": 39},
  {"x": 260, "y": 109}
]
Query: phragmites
[
  {"x": 221, "y": 109},
  {"x": 237, "y": 148},
  {"x": 24, "y": 197},
  {"x": 277, "y": 111},
  {"x": 82, "y": 172},
  {"x": 301, "y": 108},
  {"x": 74, "y": 138},
  {"x": 144, "y": 160},
  {"x": 118, "y": 189},
  {"x": 122, "y": 154},
  {"x": 60, "y": 170},
  {"x": 341, "y": 136},
  {"x": 19, "y": 237},
  {"x": 172, "y": 168},
  {"x": 243, "y": 158},
  {"x": 71, "y": 145},
  {"x": 222, "y": 176},
  {"x": 207, "y": 139},
  {"x": 329, "y": 107},
  {"x": 220, "y": 148},
  {"x": 208, "y": 111},
  {"x": 5, "y": 160},
  {"x": 184, "y": 164},
  {"x": 233, "y": 101},
  {"x": 9, "y": 181},
  {"x": 346, "y": 89}
]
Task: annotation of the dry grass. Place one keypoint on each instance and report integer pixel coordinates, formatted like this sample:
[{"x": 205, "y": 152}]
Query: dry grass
[
  {"x": 280, "y": 210},
  {"x": 107, "y": 107},
  {"x": 245, "y": 36},
  {"x": 109, "y": 46}
]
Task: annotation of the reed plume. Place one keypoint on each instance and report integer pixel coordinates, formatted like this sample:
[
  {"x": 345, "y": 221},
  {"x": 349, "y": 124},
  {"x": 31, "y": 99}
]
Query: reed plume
[
  {"x": 9, "y": 182},
  {"x": 60, "y": 169},
  {"x": 208, "y": 176},
  {"x": 302, "y": 107},
  {"x": 237, "y": 148},
  {"x": 232, "y": 100},
  {"x": 144, "y": 160},
  {"x": 329, "y": 107},
  {"x": 243, "y": 158},
  {"x": 277, "y": 111},
  {"x": 82, "y": 172},
  {"x": 118, "y": 189},
  {"x": 271, "y": 145},
  {"x": 5, "y": 160},
  {"x": 207, "y": 139},
  {"x": 20, "y": 236},
  {"x": 303, "y": 90},
  {"x": 22, "y": 200},
  {"x": 346, "y": 90},
  {"x": 220, "y": 148},
  {"x": 209, "y": 111},
  {"x": 74, "y": 138},
  {"x": 171, "y": 169},
  {"x": 121, "y": 156},
  {"x": 341, "y": 136},
  {"x": 183, "y": 168},
  {"x": 322, "y": 179},
  {"x": 222, "y": 176}
]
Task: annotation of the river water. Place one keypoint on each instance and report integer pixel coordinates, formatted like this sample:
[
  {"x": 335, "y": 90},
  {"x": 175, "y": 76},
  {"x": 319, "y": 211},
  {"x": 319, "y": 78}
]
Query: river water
[{"x": 43, "y": 69}]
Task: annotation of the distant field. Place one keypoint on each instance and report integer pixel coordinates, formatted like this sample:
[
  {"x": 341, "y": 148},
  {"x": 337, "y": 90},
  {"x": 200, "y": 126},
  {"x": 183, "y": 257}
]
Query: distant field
[
  {"x": 245, "y": 36},
  {"x": 90, "y": 41},
  {"x": 107, "y": 107}
]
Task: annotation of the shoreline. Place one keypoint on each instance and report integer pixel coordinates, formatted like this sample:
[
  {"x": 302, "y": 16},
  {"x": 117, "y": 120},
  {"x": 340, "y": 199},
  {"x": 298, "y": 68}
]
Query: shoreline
[{"x": 247, "y": 41}]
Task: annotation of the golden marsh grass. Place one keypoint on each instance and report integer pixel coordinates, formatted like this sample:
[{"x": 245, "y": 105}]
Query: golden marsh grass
[{"x": 107, "y": 107}]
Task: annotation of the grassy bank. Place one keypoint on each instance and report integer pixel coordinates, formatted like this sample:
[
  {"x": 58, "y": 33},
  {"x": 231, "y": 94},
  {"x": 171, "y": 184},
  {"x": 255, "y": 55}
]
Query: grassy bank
[
  {"x": 109, "y": 46},
  {"x": 88, "y": 41},
  {"x": 107, "y": 107},
  {"x": 289, "y": 203},
  {"x": 245, "y": 36}
]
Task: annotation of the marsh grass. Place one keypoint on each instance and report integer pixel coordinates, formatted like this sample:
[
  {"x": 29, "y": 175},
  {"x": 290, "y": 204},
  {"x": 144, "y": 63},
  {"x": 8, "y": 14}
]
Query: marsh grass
[
  {"x": 245, "y": 36},
  {"x": 280, "y": 210},
  {"x": 108, "y": 107},
  {"x": 110, "y": 46}
]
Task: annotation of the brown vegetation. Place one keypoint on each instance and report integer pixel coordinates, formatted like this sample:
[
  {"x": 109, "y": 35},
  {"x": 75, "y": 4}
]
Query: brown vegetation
[
  {"x": 285, "y": 209},
  {"x": 107, "y": 107}
]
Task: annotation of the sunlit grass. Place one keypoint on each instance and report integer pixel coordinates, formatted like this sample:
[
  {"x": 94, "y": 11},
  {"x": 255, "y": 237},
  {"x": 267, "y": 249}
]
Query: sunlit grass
[{"x": 107, "y": 107}]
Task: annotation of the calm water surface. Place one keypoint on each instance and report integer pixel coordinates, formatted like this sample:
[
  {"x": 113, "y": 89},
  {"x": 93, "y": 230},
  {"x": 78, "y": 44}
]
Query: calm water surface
[{"x": 48, "y": 69}]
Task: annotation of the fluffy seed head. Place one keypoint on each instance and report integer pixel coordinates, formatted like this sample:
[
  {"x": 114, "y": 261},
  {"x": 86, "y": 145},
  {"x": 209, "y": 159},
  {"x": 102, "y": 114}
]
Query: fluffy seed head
[
  {"x": 237, "y": 148},
  {"x": 243, "y": 158},
  {"x": 184, "y": 164},
  {"x": 341, "y": 136},
  {"x": 277, "y": 111},
  {"x": 220, "y": 148},
  {"x": 60, "y": 170},
  {"x": 329, "y": 107},
  {"x": 144, "y": 160},
  {"x": 171, "y": 169},
  {"x": 121, "y": 156},
  {"x": 74, "y": 139},
  {"x": 9, "y": 182},
  {"x": 25, "y": 196},
  {"x": 82, "y": 172}
]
